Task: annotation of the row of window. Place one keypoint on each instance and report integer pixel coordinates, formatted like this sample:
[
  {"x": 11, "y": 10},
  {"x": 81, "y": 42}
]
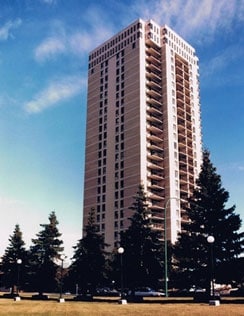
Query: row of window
[
  {"x": 117, "y": 39},
  {"x": 119, "y": 144},
  {"x": 119, "y": 141},
  {"x": 102, "y": 145},
  {"x": 115, "y": 50},
  {"x": 176, "y": 39}
]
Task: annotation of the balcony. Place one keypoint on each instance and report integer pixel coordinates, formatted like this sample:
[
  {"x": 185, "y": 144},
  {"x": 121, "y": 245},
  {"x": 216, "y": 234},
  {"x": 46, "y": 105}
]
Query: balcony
[
  {"x": 152, "y": 84},
  {"x": 154, "y": 51},
  {"x": 153, "y": 76},
  {"x": 153, "y": 68},
  {"x": 154, "y": 166},
  {"x": 154, "y": 196},
  {"x": 156, "y": 102},
  {"x": 152, "y": 146},
  {"x": 154, "y": 138},
  {"x": 154, "y": 129},
  {"x": 154, "y": 93},
  {"x": 155, "y": 157},
  {"x": 154, "y": 119},
  {"x": 153, "y": 60},
  {"x": 155, "y": 176}
]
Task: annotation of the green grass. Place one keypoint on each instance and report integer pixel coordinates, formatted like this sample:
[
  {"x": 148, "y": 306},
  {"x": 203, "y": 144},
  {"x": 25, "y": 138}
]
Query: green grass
[{"x": 111, "y": 307}]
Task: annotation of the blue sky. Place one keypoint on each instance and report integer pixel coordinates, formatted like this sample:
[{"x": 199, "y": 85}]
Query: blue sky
[{"x": 44, "y": 46}]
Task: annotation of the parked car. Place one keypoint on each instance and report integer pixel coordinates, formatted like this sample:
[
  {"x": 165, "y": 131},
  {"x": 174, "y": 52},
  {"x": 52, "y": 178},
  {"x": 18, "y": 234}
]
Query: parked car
[
  {"x": 147, "y": 292},
  {"x": 106, "y": 291}
]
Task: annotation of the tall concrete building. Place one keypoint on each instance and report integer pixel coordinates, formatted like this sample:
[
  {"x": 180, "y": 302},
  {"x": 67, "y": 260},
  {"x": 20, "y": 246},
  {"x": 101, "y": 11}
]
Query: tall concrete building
[{"x": 143, "y": 127}]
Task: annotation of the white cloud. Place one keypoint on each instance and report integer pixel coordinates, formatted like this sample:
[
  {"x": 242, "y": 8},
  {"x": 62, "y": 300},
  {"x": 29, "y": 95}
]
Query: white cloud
[
  {"x": 193, "y": 18},
  {"x": 49, "y": 48},
  {"x": 222, "y": 61},
  {"x": 83, "y": 42},
  {"x": 7, "y": 100},
  {"x": 5, "y": 30},
  {"x": 56, "y": 92},
  {"x": 78, "y": 42},
  {"x": 50, "y": 2}
]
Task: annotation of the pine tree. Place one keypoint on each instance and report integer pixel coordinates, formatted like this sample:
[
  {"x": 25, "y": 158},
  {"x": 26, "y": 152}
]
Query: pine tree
[
  {"x": 14, "y": 272},
  {"x": 89, "y": 260},
  {"x": 44, "y": 253},
  {"x": 143, "y": 250},
  {"x": 207, "y": 215}
]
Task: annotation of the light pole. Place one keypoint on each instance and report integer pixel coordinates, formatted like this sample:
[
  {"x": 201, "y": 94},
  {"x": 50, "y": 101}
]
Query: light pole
[
  {"x": 166, "y": 246},
  {"x": 122, "y": 300},
  {"x": 19, "y": 262},
  {"x": 1, "y": 260},
  {"x": 212, "y": 301},
  {"x": 210, "y": 240},
  {"x": 61, "y": 299}
]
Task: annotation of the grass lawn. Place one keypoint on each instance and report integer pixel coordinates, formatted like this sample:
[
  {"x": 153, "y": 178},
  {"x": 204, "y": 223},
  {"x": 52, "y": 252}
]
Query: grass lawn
[{"x": 111, "y": 307}]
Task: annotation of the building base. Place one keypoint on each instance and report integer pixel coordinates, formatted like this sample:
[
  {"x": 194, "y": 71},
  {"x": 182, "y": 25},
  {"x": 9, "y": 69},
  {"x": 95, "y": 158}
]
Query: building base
[
  {"x": 214, "y": 302},
  {"x": 122, "y": 301},
  {"x": 17, "y": 298}
]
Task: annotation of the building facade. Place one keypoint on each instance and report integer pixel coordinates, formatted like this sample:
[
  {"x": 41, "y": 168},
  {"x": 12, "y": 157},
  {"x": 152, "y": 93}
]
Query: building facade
[{"x": 143, "y": 127}]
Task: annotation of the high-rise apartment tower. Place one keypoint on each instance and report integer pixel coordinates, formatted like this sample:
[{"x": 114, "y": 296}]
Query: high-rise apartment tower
[{"x": 143, "y": 127}]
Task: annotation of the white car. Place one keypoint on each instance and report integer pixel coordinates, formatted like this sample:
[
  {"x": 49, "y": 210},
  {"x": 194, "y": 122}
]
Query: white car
[{"x": 147, "y": 291}]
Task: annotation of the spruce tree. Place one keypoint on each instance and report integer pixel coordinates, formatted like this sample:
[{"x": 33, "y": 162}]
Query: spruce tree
[
  {"x": 14, "y": 272},
  {"x": 207, "y": 215},
  {"x": 44, "y": 256},
  {"x": 89, "y": 260},
  {"x": 143, "y": 250}
]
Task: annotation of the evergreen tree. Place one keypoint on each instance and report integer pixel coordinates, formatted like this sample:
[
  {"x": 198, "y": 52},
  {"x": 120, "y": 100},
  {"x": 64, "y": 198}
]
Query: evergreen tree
[
  {"x": 207, "y": 215},
  {"x": 89, "y": 260},
  {"x": 14, "y": 272},
  {"x": 143, "y": 250},
  {"x": 44, "y": 253}
]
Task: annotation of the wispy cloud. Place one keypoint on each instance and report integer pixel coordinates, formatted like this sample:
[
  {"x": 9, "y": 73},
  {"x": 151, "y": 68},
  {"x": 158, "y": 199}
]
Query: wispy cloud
[
  {"x": 7, "y": 101},
  {"x": 56, "y": 92},
  {"x": 83, "y": 42},
  {"x": 77, "y": 42},
  {"x": 5, "y": 30},
  {"x": 234, "y": 167},
  {"x": 49, "y": 48},
  {"x": 223, "y": 59},
  {"x": 50, "y": 2},
  {"x": 193, "y": 18}
]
